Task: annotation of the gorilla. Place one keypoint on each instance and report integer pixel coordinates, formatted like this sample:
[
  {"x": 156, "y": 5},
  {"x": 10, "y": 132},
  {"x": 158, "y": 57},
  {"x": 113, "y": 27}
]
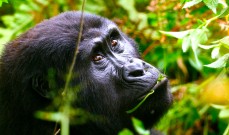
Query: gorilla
[{"x": 109, "y": 78}]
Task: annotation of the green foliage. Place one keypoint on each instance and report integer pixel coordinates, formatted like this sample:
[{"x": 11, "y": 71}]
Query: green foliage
[
  {"x": 212, "y": 4},
  {"x": 125, "y": 132},
  {"x": 191, "y": 3},
  {"x": 194, "y": 38},
  {"x": 139, "y": 127},
  {"x": 220, "y": 63},
  {"x": 1, "y": 1}
]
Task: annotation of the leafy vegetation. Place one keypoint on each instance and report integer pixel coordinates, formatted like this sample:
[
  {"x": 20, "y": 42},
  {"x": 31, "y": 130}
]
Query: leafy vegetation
[{"x": 187, "y": 39}]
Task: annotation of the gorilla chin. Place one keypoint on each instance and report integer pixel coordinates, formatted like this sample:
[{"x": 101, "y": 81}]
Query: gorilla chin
[
  {"x": 111, "y": 78},
  {"x": 156, "y": 105}
]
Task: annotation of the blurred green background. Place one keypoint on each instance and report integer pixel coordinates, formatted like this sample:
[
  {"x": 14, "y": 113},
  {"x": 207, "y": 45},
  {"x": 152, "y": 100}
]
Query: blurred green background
[{"x": 188, "y": 40}]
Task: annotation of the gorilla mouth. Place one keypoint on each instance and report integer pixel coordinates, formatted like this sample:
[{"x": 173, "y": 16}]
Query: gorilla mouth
[
  {"x": 162, "y": 80},
  {"x": 160, "y": 83}
]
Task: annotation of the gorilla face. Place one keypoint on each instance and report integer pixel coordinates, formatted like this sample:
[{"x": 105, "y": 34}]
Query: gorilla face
[{"x": 109, "y": 72}]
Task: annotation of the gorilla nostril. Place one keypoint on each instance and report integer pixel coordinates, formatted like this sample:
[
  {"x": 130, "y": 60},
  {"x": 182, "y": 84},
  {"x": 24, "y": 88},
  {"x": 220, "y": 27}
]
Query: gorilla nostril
[{"x": 136, "y": 73}]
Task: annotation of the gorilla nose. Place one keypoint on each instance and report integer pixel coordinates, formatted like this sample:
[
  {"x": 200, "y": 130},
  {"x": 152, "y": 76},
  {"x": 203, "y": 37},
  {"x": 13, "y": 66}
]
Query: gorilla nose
[{"x": 135, "y": 68}]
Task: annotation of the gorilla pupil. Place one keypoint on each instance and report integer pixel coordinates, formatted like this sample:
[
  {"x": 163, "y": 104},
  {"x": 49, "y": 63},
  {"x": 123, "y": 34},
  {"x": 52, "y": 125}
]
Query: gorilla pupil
[
  {"x": 114, "y": 42},
  {"x": 97, "y": 57}
]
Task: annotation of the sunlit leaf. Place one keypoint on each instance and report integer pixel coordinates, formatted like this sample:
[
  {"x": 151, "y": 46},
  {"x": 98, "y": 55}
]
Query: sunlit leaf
[
  {"x": 139, "y": 126},
  {"x": 5, "y": 36},
  {"x": 25, "y": 7},
  {"x": 91, "y": 6},
  {"x": 178, "y": 35},
  {"x": 220, "y": 63},
  {"x": 34, "y": 6},
  {"x": 125, "y": 132},
  {"x": 198, "y": 36},
  {"x": 129, "y": 7},
  {"x": 224, "y": 12},
  {"x": 191, "y": 3},
  {"x": 206, "y": 47},
  {"x": 195, "y": 62},
  {"x": 224, "y": 114},
  {"x": 9, "y": 20},
  {"x": 49, "y": 116},
  {"x": 1, "y": 1},
  {"x": 215, "y": 52},
  {"x": 134, "y": 15},
  {"x": 186, "y": 43},
  {"x": 219, "y": 106},
  {"x": 225, "y": 42},
  {"x": 212, "y": 4}
]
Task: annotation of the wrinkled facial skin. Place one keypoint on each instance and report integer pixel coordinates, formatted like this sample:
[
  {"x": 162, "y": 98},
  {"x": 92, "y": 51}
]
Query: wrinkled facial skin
[{"x": 109, "y": 72}]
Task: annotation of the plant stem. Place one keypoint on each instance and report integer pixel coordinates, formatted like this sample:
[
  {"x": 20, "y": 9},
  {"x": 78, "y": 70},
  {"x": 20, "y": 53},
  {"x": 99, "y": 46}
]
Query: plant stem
[{"x": 139, "y": 104}]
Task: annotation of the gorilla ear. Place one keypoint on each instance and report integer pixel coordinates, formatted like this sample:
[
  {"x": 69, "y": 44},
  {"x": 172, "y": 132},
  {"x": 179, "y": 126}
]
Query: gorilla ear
[{"x": 41, "y": 86}]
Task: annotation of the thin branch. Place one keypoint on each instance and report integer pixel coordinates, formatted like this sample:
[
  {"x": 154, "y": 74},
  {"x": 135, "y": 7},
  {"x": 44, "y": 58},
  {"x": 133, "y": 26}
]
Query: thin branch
[
  {"x": 69, "y": 75},
  {"x": 66, "y": 100}
]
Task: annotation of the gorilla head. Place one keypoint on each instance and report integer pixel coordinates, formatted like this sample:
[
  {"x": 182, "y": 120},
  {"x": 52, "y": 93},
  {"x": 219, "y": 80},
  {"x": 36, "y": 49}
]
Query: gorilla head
[{"x": 109, "y": 77}]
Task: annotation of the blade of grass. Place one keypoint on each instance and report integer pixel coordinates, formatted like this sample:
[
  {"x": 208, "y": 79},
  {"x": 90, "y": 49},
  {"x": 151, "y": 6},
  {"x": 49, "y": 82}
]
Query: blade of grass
[{"x": 139, "y": 104}]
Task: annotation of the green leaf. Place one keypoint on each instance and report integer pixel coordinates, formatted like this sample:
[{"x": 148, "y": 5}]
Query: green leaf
[
  {"x": 198, "y": 36},
  {"x": 194, "y": 61},
  {"x": 125, "y": 131},
  {"x": 49, "y": 116},
  {"x": 134, "y": 15},
  {"x": 220, "y": 63},
  {"x": 219, "y": 106},
  {"x": 215, "y": 52},
  {"x": 25, "y": 8},
  {"x": 178, "y": 35},
  {"x": 224, "y": 114},
  {"x": 206, "y": 47},
  {"x": 186, "y": 43},
  {"x": 224, "y": 12},
  {"x": 5, "y": 36},
  {"x": 212, "y": 4},
  {"x": 225, "y": 42},
  {"x": 1, "y": 1},
  {"x": 139, "y": 127},
  {"x": 129, "y": 6},
  {"x": 191, "y": 3}
]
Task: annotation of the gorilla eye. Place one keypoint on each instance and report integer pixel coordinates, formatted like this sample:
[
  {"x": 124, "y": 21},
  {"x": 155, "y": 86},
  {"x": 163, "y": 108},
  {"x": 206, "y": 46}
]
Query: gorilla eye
[
  {"x": 114, "y": 42},
  {"x": 97, "y": 57}
]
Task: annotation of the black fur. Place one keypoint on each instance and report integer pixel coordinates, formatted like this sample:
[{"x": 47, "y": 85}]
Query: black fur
[{"x": 109, "y": 72}]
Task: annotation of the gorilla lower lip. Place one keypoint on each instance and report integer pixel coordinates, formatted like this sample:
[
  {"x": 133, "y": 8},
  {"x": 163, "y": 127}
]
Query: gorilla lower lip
[{"x": 159, "y": 83}]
